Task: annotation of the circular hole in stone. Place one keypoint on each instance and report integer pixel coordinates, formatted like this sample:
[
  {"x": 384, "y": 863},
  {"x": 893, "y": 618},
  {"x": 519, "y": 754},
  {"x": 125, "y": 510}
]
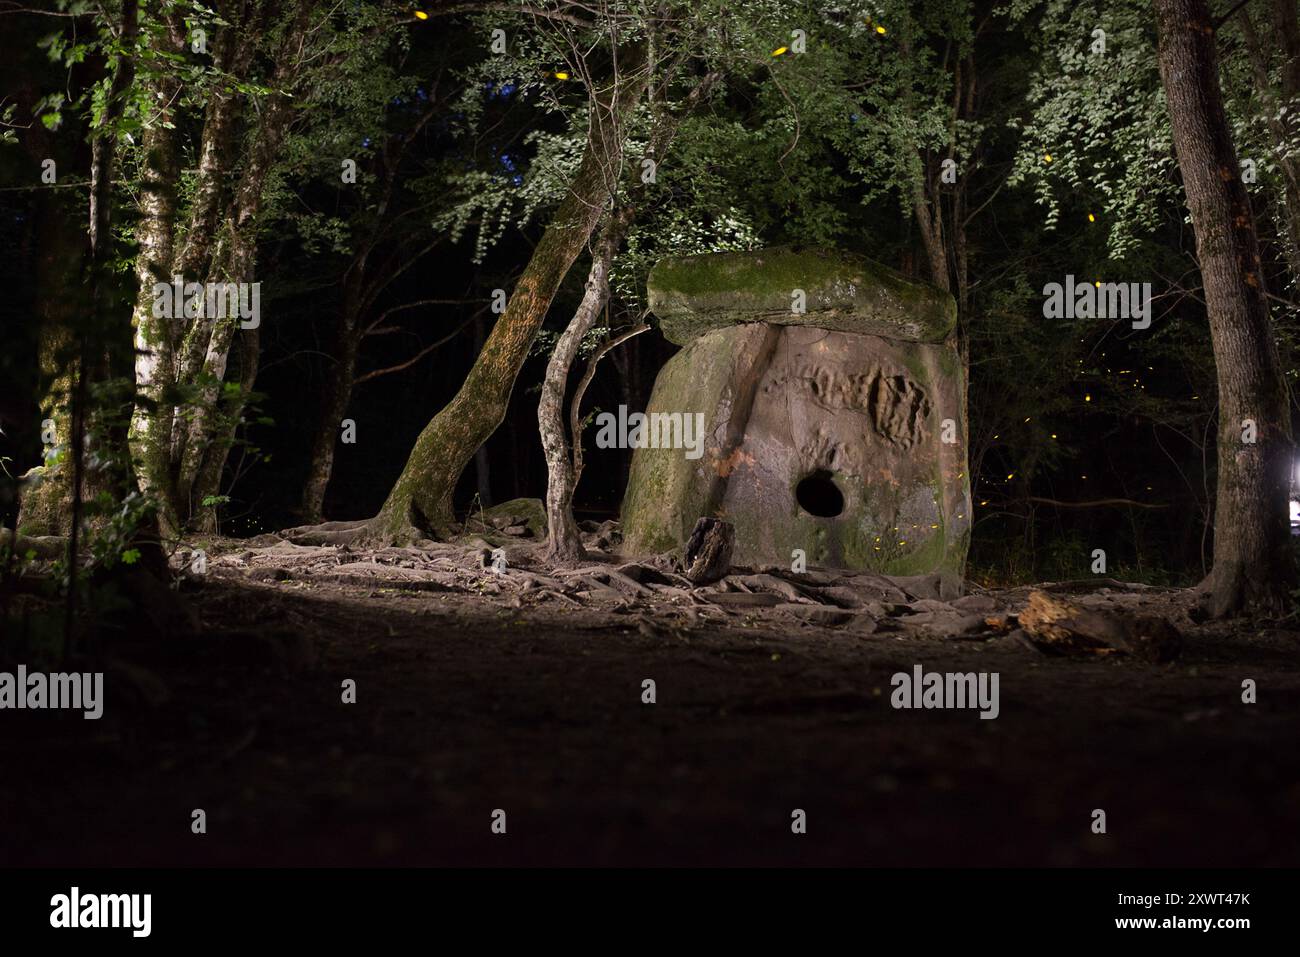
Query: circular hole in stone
[{"x": 819, "y": 495}]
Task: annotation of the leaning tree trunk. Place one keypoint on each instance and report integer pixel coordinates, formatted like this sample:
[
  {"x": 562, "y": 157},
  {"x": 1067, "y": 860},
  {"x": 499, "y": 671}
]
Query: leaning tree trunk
[
  {"x": 1253, "y": 568},
  {"x": 420, "y": 501},
  {"x": 482, "y": 463},
  {"x": 564, "y": 542}
]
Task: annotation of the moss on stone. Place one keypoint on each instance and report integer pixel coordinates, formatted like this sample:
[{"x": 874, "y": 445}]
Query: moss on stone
[
  {"x": 531, "y": 510},
  {"x": 923, "y": 492},
  {"x": 666, "y": 492},
  {"x": 844, "y": 291}
]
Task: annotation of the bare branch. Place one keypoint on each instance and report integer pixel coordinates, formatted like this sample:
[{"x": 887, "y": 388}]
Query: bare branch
[
  {"x": 484, "y": 7},
  {"x": 575, "y": 415},
  {"x": 374, "y": 374},
  {"x": 1098, "y": 503},
  {"x": 372, "y": 329}
]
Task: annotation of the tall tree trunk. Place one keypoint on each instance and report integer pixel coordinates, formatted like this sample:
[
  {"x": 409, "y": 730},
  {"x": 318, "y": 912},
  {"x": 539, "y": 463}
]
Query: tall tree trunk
[
  {"x": 213, "y": 426},
  {"x": 107, "y": 355},
  {"x": 929, "y": 217},
  {"x": 107, "y": 349},
  {"x": 482, "y": 464},
  {"x": 420, "y": 502},
  {"x": 156, "y": 337},
  {"x": 46, "y": 491},
  {"x": 1253, "y": 568},
  {"x": 338, "y": 395},
  {"x": 562, "y": 473},
  {"x": 202, "y": 441}
]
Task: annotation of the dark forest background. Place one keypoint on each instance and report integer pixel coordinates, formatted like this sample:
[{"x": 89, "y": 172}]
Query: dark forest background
[{"x": 1065, "y": 165}]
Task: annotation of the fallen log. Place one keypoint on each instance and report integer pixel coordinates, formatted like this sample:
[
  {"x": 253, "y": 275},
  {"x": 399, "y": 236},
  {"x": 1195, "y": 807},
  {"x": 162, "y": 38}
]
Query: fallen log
[{"x": 1058, "y": 627}]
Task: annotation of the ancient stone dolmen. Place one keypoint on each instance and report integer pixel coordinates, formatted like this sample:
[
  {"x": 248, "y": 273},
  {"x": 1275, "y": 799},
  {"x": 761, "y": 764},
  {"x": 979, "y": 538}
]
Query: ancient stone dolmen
[{"x": 833, "y": 399}]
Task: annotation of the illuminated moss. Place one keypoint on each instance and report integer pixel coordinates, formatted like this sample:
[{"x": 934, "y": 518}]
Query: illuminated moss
[{"x": 843, "y": 291}]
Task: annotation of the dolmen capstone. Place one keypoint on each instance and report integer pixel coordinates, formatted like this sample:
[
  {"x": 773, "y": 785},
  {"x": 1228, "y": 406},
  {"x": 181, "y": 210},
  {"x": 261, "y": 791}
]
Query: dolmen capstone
[{"x": 834, "y": 421}]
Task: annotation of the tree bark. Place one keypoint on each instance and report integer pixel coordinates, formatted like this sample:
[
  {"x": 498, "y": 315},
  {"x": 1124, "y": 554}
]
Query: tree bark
[
  {"x": 929, "y": 217},
  {"x": 564, "y": 542},
  {"x": 1253, "y": 568},
  {"x": 482, "y": 462},
  {"x": 46, "y": 491},
  {"x": 564, "y": 456},
  {"x": 338, "y": 394},
  {"x": 212, "y": 428},
  {"x": 106, "y": 348},
  {"x": 420, "y": 503},
  {"x": 156, "y": 337},
  {"x": 181, "y": 457}
]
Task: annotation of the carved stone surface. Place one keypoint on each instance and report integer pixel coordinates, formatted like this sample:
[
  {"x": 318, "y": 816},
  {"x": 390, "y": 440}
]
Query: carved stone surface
[{"x": 815, "y": 439}]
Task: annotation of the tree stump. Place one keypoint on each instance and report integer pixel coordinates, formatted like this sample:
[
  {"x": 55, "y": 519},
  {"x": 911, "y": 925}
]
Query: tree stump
[{"x": 708, "y": 550}]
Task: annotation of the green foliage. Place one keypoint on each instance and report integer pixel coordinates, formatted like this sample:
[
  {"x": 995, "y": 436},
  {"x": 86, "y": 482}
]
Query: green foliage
[
  {"x": 1097, "y": 128},
  {"x": 839, "y": 145}
]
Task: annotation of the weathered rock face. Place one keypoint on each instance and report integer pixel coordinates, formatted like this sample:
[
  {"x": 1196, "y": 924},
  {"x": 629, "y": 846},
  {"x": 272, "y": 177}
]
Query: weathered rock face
[
  {"x": 830, "y": 441},
  {"x": 843, "y": 291}
]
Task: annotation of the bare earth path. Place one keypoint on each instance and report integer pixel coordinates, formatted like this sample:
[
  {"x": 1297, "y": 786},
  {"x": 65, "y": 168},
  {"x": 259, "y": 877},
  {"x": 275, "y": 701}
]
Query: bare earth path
[{"x": 529, "y": 700}]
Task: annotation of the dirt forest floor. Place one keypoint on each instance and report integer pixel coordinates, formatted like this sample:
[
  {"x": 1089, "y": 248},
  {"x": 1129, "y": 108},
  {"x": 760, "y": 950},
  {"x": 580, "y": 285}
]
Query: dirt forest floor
[{"x": 522, "y": 691}]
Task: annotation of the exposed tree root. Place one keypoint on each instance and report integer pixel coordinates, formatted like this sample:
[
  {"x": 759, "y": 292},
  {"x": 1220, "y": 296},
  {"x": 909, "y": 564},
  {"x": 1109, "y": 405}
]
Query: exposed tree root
[
  {"x": 378, "y": 532},
  {"x": 1228, "y": 592},
  {"x": 328, "y": 533}
]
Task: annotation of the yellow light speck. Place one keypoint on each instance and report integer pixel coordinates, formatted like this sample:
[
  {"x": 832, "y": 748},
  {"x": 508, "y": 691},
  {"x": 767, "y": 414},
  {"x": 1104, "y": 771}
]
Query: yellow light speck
[
  {"x": 561, "y": 76},
  {"x": 1092, "y": 218},
  {"x": 880, "y": 30},
  {"x": 1047, "y": 157},
  {"x": 779, "y": 50},
  {"x": 421, "y": 15}
]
